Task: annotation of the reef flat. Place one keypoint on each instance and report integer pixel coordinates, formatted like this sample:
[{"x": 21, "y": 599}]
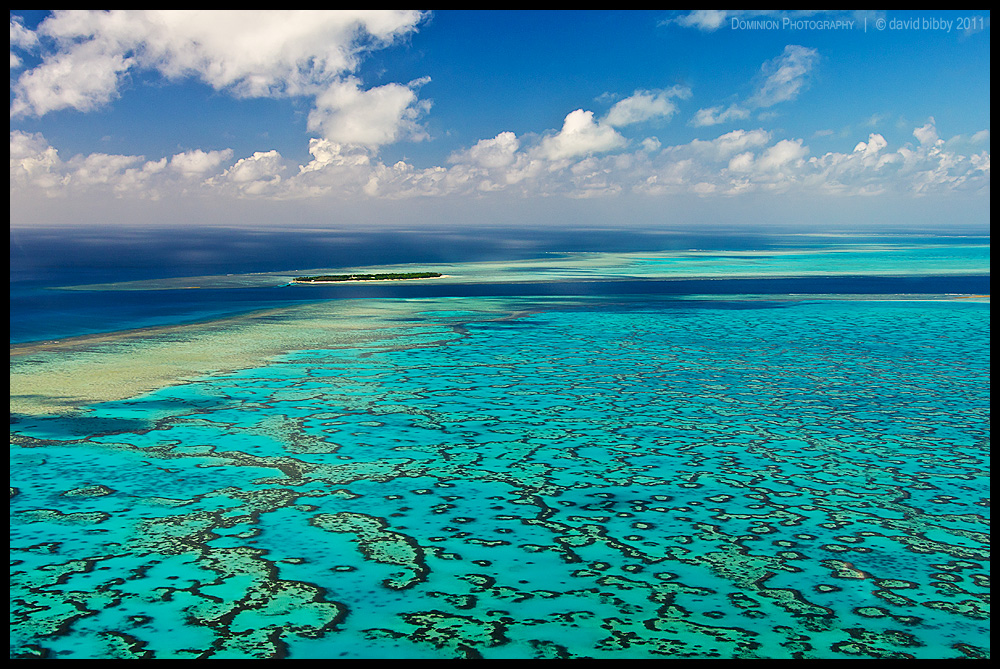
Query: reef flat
[
  {"x": 637, "y": 479},
  {"x": 602, "y": 476}
]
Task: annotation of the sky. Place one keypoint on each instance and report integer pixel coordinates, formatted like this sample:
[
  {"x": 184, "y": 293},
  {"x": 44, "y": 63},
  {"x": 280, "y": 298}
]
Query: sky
[{"x": 808, "y": 120}]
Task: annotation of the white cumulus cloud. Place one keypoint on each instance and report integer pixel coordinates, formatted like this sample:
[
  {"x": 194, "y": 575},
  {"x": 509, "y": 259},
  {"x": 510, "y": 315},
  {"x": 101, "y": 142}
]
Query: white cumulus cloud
[
  {"x": 927, "y": 134},
  {"x": 580, "y": 135},
  {"x": 261, "y": 166},
  {"x": 498, "y": 152},
  {"x": 87, "y": 54},
  {"x": 645, "y": 106},
  {"x": 784, "y": 153},
  {"x": 199, "y": 163},
  {"x": 347, "y": 113}
]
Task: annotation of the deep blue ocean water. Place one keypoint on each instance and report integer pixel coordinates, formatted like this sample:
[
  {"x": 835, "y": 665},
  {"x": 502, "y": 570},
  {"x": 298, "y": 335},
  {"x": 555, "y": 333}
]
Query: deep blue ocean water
[
  {"x": 41, "y": 261},
  {"x": 614, "y": 470}
]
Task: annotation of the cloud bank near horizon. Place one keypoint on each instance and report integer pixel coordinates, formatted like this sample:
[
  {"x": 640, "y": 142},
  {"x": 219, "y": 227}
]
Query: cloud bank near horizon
[{"x": 583, "y": 159}]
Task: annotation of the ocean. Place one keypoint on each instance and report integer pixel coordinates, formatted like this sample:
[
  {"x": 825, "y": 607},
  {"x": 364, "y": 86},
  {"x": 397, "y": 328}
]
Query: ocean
[{"x": 574, "y": 444}]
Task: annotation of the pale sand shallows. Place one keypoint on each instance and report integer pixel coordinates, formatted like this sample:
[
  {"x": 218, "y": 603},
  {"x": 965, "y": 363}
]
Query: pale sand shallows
[{"x": 67, "y": 375}]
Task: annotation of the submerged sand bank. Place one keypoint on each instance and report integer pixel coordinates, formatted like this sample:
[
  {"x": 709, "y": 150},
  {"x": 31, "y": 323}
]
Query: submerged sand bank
[{"x": 66, "y": 375}]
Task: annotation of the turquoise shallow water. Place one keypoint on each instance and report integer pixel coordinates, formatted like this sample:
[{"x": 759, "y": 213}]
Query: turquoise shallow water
[{"x": 630, "y": 478}]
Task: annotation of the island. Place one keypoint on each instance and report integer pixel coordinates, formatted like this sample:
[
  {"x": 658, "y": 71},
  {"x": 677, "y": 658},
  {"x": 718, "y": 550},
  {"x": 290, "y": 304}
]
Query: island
[{"x": 331, "y": 278}]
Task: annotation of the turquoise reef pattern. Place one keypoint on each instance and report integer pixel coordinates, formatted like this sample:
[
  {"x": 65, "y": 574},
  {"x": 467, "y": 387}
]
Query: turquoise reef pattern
[{"x": 628, "y": 478}]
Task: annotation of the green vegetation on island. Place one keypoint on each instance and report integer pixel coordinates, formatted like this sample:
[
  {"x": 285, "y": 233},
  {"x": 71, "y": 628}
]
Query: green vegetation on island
[{"x": 325, "y": 278}]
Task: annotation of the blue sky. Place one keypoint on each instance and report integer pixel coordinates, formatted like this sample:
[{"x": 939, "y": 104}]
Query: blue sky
[{"x": 709, "y": 115}]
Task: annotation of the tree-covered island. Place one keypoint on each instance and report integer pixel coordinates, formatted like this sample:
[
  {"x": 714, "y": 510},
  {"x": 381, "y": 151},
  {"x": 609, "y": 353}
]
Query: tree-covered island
[{"x": 330, "y": 278}]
